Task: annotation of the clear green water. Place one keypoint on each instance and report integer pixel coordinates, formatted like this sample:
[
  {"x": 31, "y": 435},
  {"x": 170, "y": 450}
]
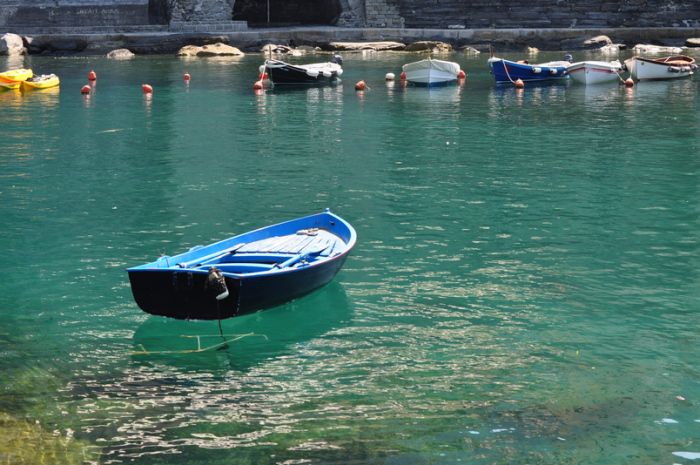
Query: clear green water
[{"x": 524, "y": 288}]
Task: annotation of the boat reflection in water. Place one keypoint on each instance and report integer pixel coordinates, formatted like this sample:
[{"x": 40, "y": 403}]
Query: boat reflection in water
[{"x": 241, "y": 343}]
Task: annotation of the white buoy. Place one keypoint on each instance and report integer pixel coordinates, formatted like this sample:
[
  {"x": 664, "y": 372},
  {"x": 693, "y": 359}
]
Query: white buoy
[{"x": 390, "y": 76}]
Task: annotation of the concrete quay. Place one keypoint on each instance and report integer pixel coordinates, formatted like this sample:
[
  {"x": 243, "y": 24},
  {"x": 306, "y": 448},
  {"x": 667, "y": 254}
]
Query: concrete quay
[{"x": 164, "y": 40}]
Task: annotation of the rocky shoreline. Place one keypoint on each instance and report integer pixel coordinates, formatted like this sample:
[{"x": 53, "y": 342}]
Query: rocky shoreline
[{"x": 330, "y": 39}]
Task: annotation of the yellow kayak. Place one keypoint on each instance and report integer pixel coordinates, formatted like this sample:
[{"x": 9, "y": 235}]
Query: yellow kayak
[
  {"x": 41, "y": 82},
  {"x": 16, "y": 75},
  {"x": 9, "y": 85}
]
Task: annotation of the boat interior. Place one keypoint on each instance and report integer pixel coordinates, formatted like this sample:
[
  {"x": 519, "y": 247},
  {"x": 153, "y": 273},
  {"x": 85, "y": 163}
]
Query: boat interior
[{"x": 273, "y": 253}]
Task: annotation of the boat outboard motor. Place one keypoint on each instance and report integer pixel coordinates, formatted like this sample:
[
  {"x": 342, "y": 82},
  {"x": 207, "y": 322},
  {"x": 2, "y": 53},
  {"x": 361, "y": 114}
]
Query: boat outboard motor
[
  {"x": 568, "y": 58},
  {"x": 337, "y": 59}
]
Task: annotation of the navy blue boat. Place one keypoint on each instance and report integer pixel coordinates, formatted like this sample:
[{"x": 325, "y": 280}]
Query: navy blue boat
[
  {"x": 247, "y": 273},
  {"x": 506, "y": 71}
]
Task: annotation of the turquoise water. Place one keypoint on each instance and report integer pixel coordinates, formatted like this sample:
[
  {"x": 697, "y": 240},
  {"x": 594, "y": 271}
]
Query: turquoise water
[{"x": 524, "y": 288}]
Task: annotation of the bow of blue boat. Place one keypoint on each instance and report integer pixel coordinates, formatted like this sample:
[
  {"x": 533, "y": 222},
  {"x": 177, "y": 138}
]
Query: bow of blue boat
[{"x": 256, "y": 270}]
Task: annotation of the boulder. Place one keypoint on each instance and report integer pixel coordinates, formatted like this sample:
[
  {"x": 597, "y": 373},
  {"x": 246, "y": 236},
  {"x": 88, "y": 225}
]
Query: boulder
[
  {"x": 470, "y": 50},
  {"x": 12, "y": 44},
  {"x": 120, "y": 53},
  {"x": 361, "y": 46},
  {"x": 532, "y": 50},
  {"x": 692, "y": 42},
  {"x": 273, "y": 48},
  {"x": 209, "y": 50},
  {"x": 428, "y": 45},
  {"x": 583, "y": 43},
  {"x": 650, "y": 49}
]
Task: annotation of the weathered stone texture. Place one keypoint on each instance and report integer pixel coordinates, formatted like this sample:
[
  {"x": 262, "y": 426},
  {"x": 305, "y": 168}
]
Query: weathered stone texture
[{"x": 73, "y": 13}]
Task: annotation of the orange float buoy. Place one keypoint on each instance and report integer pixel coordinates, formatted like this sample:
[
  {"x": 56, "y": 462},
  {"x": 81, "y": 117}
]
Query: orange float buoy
[
  {"x": 519, "y": 84},
  {"x": 360, "y": 85},
  {"x": 92, "y": 76},
  {"x": 85, "y": 90},
  {"x": 629, "y": 82},
  {"x": 461, "y": 74},
  {"x": 403, "y": 76},
  {"x": 258, "y": 85},
  {"x": 186, "y": 77},
  {"x": 147, "y": 89}
]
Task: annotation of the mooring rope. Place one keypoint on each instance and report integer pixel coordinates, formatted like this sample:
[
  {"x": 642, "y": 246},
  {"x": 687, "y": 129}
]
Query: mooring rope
[{"x": 199, "y": 348}]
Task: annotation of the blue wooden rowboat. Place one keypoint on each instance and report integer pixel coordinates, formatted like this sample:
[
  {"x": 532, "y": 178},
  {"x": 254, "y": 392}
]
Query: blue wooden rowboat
[
  {"x": 506, "y": 71},
  {"x": 247, "y": 273}
]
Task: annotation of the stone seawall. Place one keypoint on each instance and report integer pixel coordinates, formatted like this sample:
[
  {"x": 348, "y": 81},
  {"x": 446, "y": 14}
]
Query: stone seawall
[{"x": 164, "y": 42}]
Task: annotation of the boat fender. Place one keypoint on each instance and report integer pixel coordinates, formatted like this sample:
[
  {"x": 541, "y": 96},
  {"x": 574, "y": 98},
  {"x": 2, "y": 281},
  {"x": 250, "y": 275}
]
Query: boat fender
[
  {"x": 685, "y": 69},
  {"x": 537, "y": 70},
  {"x": 461, "y": 74},
  {"x": 693, "y": 66},
  {"x": 262, "y": 69},
  {"x": 674, "y": 69},
  {"x": 312, "y": 73},
  {"x": 216, "y": 284},
  {"x": 340, "y": 72},
  {"x": 553, "y": 71},
  {"x": 327, "y": 74},
  {"x": 403, "y": 76}
]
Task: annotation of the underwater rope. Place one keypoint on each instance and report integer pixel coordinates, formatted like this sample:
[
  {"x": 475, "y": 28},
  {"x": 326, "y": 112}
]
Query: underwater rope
[{"x": 199, "y": 345}]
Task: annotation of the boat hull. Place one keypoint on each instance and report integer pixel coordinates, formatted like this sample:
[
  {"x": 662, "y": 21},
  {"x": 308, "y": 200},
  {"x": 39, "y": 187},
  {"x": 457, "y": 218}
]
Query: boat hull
[
  {"x": 16, "y": 75},
  {"x": 505, "y": 71},
  {"x": 317, "y": 73},
  {"x": 660, "y": 69},
  {"x": 430, "y": 73},
  {"x": 594, "y": 72},
  {"x": 168, "y": 288},
  {"x": 42, "y": 84},
  {"x": 10, "y": 85}
]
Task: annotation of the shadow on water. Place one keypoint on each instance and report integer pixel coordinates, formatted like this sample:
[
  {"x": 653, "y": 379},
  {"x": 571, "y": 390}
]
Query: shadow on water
[{"x": 248, "y": 340}]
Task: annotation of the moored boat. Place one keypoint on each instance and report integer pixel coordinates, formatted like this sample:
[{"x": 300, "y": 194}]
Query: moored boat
[
  {"x": 431, "y": 72},
  {"x": 671, "y": 67},
  {"x": 280, "y": 72},
  {"x": 16, "y": 75},
  {"x": 594, "y": 72},
  {"x": 10, "y": 85},
  {"x": 247, "y": 273},
  {"x": 41, "y": 82},
  {"x": 506, "y": 71}
]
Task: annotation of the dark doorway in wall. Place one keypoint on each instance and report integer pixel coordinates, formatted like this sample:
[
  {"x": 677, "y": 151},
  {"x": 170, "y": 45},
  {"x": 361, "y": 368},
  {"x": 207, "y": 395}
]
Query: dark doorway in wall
[
  {"x": 287, "y": 12},
  {"x": 157, "y": 12}
]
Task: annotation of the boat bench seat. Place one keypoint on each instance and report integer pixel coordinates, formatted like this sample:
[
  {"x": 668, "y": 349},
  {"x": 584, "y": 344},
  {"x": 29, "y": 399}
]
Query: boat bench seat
[
  {"x": 293, "y": 243},
  {"x": 244, "y": 267}
]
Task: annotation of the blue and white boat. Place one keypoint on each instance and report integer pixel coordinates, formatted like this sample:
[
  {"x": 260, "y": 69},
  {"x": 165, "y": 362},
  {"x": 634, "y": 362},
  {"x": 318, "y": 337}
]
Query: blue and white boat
[
  {"x": 506, "y": 71},
  {"x": 247, "y": 273}
]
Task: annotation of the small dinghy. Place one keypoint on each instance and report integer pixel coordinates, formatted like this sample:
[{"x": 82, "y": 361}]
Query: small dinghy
[
  {"x": 661, "y": 68},
  {"x": 16, "y": 75},
  {"x": 314, "y": 73},
  {"x": 41, "y": 82},
  {"x": 247, "y": 273}
]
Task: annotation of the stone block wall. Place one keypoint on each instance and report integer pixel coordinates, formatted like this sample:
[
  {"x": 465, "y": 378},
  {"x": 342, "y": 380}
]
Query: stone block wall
[
  {"x": 73, "y": 13},
  {"x": 549, "y": 13}
]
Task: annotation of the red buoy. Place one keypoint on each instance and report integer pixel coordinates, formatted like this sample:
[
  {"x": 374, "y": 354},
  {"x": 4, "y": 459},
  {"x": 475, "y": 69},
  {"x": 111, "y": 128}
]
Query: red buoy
[
  {"x": 85, "y": 90},
  {"x": 360, "y": 85},
  {"x": 92, "y": 76},
  {"x": 258, "y": 85},
  {"x": 461, "y": 74},
  {"x": 186, "y": 77},
  {"x": 519, "y": 84},
  {"x": 263, "y": 76},
  {"x": 629, "y": 82},
  {"x": 403, "y": 76},
  {"x": 147, "y": 89}
]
